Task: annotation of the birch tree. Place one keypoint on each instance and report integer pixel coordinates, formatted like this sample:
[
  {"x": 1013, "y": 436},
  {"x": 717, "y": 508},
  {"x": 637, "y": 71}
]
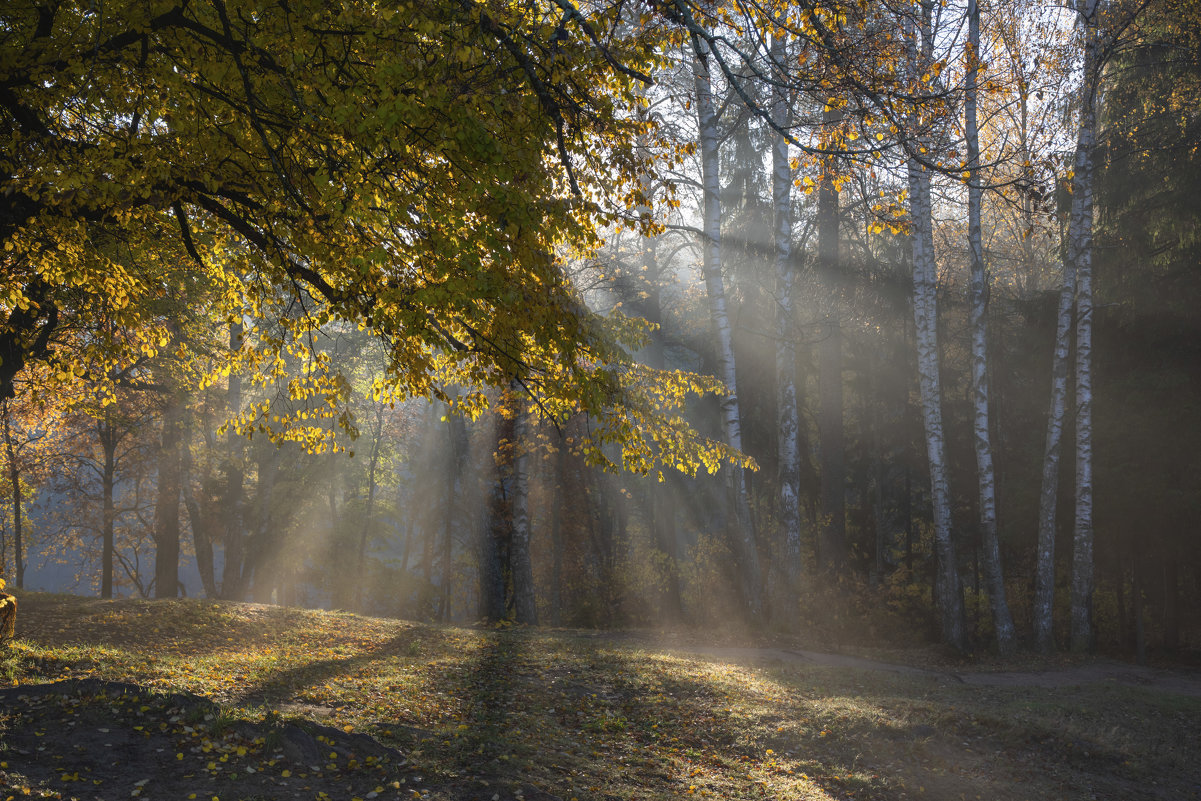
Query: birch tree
[
  {"x": 1080, "y": 249},
  {"x": 1075, "y": 295},
  {"x": 720, "y": 321},
  {"x": 787, "y": 422},
  {"x": 920, "y": 45},
  {"x": 979, "y": 291}
]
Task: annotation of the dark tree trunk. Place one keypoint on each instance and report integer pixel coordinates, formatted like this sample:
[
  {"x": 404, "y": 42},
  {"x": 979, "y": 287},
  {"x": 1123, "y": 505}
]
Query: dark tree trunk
[
  {"x": 25, "y": 335},
  {"x": 1125, "y": 630},
  {"x": 497, "y": 533},
  {"x": 668, "y": 540},
  {"x": 14, "y": 477},
  {"x": 108, "y": 441},
  {"x": 166, "y": 510},
  {"x": 368, "y": 526},
  {"x": 525, "y": 599},
  {"x": 456, "y": 434},
  {"x": 1171, "y": 602},
  {"x": 262, "y": 569},
  {"x": 201, "y": 520},
  {"x": 832, "y": 550},
  {"x": 1140, "y": 631},
  {"x": 556, "y": 533}
]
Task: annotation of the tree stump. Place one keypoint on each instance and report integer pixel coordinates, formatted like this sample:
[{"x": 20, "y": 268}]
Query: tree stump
[{"x": 8, "y": 617}]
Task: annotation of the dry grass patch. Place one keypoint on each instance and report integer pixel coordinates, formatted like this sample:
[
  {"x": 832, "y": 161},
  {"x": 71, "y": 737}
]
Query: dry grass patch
[{"x": 472, "y": 714}]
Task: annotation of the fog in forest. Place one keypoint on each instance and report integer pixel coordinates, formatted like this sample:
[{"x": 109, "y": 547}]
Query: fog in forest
[{"x": 863, "y": 349}]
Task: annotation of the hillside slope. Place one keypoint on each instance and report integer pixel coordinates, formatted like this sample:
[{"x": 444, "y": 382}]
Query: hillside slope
[{"x": 241, "y": 701}]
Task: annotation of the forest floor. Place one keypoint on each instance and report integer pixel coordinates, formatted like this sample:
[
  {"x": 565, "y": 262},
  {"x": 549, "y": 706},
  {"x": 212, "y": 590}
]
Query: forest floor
[
  {"x": 1066, "y": 673},
  {"x": 202, "y": 700}
]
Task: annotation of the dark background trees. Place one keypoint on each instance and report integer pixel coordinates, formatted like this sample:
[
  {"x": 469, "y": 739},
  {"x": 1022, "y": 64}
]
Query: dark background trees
[{"x": 542, "y": 248}]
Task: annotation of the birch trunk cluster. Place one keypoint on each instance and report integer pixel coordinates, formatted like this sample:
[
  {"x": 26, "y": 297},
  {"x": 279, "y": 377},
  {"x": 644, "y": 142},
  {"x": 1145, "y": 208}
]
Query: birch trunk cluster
[{"x": 1075, "y": 313}]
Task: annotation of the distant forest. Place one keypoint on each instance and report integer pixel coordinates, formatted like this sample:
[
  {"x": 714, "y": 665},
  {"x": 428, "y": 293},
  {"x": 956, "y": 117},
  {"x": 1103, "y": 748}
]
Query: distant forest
[{"x": 876, "y": 322}]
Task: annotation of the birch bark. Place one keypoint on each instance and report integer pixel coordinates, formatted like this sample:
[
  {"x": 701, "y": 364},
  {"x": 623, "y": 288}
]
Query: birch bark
[
  {"x": 787, "y": 423},
  {"x": 1044, "y": 580},
  {"x": 719, "y": 317},
  {"x": 986, "y": 475},
  {"x": 925, "y": 315},
  {"x": 1080, "y": 249},
  {"x": 1076, "y": 289}
]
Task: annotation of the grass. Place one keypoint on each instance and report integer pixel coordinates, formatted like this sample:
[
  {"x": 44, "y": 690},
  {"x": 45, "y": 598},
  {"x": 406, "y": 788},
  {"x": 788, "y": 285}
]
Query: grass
[{"x": 539, "y": 715}]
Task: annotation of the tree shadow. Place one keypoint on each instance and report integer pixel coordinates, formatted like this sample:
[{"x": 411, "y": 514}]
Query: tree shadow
[{"x": 282, "y": 685}]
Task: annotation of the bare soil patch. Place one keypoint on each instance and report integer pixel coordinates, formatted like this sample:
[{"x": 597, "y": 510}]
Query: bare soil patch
[{"x": 102, "y": 740}]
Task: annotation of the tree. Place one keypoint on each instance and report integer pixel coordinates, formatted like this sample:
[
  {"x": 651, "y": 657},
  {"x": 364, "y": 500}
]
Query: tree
[
  {"x": 1147, "y": 171},
  {"x": 986, "y": 476},
  {"x": 1080, "y": 251},
  {"x": 787, "y": 415},
  {"x": 920, "y": 34},
  {"x": 731, "y": 419},
  {"x": 453, "y": 180},
  {"x": 166, "y": 509},
  {"x": 1075, "y": 310},
  {"x": 15, "y": 484},
  {"x": 833, "y": 449}
]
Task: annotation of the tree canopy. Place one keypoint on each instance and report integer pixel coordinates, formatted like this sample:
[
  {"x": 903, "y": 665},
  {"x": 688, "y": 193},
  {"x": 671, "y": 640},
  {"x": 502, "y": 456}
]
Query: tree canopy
[{"x": 414, "y": 169}]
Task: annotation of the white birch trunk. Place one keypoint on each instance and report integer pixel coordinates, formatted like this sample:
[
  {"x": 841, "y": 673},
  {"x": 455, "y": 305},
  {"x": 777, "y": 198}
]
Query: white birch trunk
[
  {"x": 1077, "y": 288},
  {"x": 720, "y": 321},
  {"x": 1002, "y": 619},
  {"x": 1044, "y": 580},
  {"x": 788, "y": 449},
  {"x": 831, "y": 433},
  {"x": 1080, "y": 249},
  {"x": 925, "y": 315}
]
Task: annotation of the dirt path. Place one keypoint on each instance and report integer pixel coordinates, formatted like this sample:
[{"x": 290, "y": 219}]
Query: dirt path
[{"x": 1170, "y": 681}]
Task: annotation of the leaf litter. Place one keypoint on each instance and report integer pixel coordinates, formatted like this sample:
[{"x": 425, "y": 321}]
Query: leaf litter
[{"x": 196, "y": 699}]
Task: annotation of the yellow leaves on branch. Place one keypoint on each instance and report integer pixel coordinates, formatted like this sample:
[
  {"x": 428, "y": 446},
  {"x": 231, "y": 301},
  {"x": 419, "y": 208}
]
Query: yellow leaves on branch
[{"x": 397, "y": 168}]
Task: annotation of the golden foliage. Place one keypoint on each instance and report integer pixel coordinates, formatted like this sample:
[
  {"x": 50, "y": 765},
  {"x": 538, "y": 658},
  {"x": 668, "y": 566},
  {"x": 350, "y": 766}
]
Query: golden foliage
[
  {"x": 416, "y": 171},
  {"x": 8, "y": 615}
]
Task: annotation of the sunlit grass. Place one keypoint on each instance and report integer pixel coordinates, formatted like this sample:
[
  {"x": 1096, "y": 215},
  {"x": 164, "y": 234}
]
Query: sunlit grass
[{"x": 585, "y": 718}]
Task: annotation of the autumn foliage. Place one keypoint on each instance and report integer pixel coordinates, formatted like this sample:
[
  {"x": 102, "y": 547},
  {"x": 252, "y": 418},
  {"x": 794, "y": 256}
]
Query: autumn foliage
[{"x": 8, "y": 615}]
